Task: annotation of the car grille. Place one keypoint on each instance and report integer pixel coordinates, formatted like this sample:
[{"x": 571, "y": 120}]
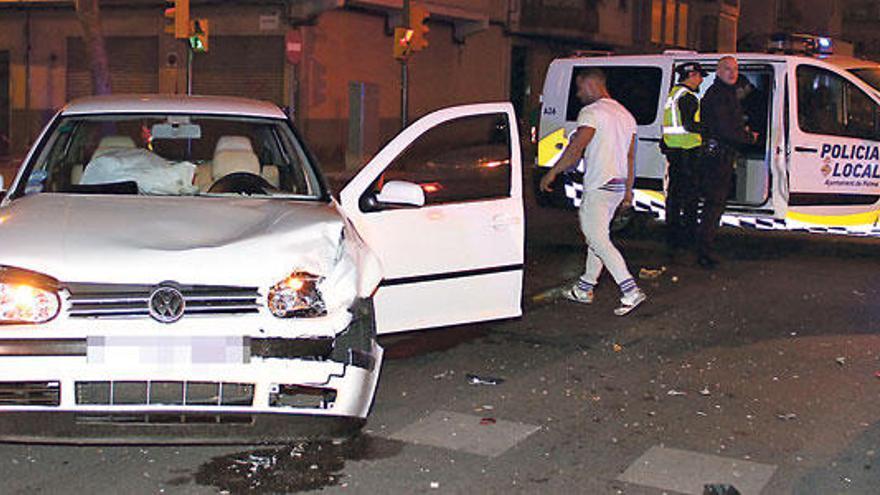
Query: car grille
[
  {"x": 30, "y": 393},
  {"x": 120, "y": 301},
  {"x": 176, "y": 393}
]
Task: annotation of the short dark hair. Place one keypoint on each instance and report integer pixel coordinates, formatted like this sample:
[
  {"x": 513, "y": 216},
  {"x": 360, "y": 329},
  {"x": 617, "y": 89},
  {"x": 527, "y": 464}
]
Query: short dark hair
[{"x": 592, "y": 73}]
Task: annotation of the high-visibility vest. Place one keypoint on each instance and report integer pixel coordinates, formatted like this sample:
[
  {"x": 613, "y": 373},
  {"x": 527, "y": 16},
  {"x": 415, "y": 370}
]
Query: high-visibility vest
[{"x": 674, "y": 133}]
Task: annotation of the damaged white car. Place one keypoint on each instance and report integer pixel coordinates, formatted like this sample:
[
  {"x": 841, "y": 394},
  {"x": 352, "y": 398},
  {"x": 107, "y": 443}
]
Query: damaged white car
[{"x": 174, "y": 269}]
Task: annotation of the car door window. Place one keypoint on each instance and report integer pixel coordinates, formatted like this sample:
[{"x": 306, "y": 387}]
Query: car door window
[
  {"x": 829, "y": 104},
  {"x": 464, "y": 159}
]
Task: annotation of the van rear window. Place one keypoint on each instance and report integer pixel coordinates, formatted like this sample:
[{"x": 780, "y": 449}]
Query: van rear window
[{"x": 636, "y": 88}]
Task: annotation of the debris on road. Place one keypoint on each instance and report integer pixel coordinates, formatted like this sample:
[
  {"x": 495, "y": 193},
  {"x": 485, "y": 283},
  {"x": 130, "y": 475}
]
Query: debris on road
[
  {"x": 858, "y": 293},
  {"x": 435, "y": 484},
  {"x": 675, "y": 393},
  {"x": 786, "y": 416},
  {"x": 617, "y": 347},
  {"x": 841, "y": 361},
  {"x": 440, "y": 376},
  {"x": 720, "y": 489},
  {"x": 488, "y": 421},
  {"x": 651, "y": 274},
  {"x": 705, "y": 391},
  {"x": 483, "y": 380}
]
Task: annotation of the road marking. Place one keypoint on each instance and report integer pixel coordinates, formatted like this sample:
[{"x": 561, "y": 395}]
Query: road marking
[
  {"x": 686, "y": 472},
  {"x": 463, "y": 432}
]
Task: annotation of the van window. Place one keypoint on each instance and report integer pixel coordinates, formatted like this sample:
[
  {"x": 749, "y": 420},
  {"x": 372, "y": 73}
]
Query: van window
[
  {"x": 636, "y": 88},
  {"x": 829, "y": 104}
]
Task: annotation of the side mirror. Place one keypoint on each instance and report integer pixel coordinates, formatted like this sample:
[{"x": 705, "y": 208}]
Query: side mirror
[{"x": 398, "y": 192}]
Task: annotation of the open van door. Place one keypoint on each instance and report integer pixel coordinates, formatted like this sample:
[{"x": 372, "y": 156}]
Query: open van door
[{"x": 441, "y": 206}]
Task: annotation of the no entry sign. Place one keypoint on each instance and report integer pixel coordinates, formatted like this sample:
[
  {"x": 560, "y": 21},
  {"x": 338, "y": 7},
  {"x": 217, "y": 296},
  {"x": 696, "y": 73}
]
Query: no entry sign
[{"x": 293, "y": 46}]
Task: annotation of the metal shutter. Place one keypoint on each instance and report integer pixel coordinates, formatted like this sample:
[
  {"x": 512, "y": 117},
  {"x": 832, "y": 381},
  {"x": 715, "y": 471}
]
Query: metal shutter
[
  {"x": 134, "y": 66},
  {"x": 249, "y": 66}
]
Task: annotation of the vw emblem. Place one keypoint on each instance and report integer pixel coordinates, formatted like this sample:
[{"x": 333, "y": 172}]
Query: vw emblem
[{"x": 166, "y": 304}]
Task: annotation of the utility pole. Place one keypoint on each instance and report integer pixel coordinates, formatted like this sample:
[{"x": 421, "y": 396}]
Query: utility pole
[{"x": 404, "y": 71}]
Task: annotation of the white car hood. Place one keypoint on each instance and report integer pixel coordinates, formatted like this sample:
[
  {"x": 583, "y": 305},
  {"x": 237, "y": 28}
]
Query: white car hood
[{"x": 147, "y": 240}]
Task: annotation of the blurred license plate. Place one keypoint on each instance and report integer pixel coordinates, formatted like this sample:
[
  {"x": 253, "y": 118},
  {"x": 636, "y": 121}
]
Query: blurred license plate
[{"x": 167, "y": 350}]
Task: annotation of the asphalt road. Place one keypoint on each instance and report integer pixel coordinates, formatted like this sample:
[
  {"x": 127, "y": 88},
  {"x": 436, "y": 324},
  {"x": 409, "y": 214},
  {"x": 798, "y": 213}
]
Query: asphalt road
[{"x": 762, "y": 374}]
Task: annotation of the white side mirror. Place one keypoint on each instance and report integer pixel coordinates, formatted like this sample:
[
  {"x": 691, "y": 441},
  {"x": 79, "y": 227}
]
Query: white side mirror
[{"x": 398, "y": 192}]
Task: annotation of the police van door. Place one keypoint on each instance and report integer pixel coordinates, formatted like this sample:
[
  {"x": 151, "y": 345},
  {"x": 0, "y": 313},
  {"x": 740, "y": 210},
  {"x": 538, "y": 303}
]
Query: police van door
[
  {"x": 458, "y": 258},
  {"x": 835, "y": 160},
  {"x": 755, "y": 189}
]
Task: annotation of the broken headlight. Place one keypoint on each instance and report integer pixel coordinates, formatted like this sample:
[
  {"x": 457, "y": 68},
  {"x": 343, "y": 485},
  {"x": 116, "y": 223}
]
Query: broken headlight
[
  {"x": 27, "y": 297},
  {"x": 297, "y": 296}
]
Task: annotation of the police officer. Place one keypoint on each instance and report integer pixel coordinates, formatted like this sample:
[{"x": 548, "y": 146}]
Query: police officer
[
  {"x": 724, "y": 133},
  {"x": 681, "y": 145}
]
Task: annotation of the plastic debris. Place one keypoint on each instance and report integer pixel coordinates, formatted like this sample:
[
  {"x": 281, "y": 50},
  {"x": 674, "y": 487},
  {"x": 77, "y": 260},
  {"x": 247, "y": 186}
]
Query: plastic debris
[
  {"x": 675, "y": 393},
  {"x": 488, "y": 421},
  {"x": 720, "y": 489},
  {"x": 705, "y": 391},
  {"x": 786, "y": 416},
  {"x": 858, "y": 293},
  {"x": 651, "y": 274},
  {"x": 841, "y": 361},
  {"x": 435, "y": 484},
  {"x": 483, "y": 380},
  {"x": 440, "y": 376}
]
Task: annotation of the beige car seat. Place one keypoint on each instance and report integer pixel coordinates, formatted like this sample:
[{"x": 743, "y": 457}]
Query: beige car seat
[
  {"x": 106, "y": 144},
  {"x": 234, "y": 154}
]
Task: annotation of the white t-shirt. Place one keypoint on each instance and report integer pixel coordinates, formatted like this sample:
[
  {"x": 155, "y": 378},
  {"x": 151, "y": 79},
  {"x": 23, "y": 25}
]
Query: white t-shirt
[{"x": 606, "y": 155}]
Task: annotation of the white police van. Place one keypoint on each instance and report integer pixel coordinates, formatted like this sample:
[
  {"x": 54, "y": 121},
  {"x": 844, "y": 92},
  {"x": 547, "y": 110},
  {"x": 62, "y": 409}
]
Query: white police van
[{"x": 816, "y": 166}]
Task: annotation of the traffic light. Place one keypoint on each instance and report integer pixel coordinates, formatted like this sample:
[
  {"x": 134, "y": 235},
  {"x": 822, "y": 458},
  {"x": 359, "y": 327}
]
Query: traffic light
[
  {"x": 418, "y": 14},
  {"x": 198, "y": 39},
  {"x": 177, "y": 19},
  {"x": 403, "y": 38}
]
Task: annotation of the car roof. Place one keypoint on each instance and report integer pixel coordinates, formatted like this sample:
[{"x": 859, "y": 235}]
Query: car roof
[
  {"x": 841, "y": 61},
  {"x": 150, "y": 103}
]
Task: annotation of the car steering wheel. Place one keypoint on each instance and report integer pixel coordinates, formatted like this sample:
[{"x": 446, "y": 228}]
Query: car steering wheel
[{"x": 241, "y": 183}]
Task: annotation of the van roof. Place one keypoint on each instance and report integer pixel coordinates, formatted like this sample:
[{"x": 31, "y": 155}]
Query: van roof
[{"x": 838, "y": 60}]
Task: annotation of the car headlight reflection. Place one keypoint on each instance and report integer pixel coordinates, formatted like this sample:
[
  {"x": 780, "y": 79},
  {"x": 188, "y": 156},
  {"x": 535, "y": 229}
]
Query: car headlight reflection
[
  {"x": 297, "y": 296},
  {"x": 23, "y": 303}
]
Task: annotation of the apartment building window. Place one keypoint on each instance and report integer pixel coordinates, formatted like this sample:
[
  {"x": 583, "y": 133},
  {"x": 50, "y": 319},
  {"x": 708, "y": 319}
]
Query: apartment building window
[{"x": 669, "y": 22}]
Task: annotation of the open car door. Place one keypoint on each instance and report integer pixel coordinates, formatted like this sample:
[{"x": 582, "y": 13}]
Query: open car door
[{"x": 441, "y": 206}]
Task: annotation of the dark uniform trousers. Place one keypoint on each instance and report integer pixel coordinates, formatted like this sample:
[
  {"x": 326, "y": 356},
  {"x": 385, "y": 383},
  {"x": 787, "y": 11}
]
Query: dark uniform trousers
[
  {"x": 715, "y": 179},
  {"x": 682, "y": 196}
]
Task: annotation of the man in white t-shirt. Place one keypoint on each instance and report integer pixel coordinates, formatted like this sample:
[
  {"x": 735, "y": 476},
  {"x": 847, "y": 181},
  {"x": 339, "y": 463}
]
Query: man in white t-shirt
[{"x": 605, "y": 137}]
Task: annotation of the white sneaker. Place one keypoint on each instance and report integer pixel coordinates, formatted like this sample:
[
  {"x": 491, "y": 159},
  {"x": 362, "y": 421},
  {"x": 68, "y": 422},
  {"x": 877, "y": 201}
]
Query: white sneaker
[
  {"x": 630, "y": 301},
  {"x": 579, "y": 295}
]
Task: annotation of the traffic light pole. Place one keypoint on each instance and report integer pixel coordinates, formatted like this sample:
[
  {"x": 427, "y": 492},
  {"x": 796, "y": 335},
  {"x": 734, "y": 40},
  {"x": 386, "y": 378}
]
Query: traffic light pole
[
  {"x": 404, "y": 72},
  {"x": 189, "y": 69}
]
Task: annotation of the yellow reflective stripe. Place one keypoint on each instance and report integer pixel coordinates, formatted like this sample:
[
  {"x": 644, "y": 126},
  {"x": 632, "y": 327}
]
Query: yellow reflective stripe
[
  {"x": 548, "y": 147},
  {"x": 868, "y": 218}
]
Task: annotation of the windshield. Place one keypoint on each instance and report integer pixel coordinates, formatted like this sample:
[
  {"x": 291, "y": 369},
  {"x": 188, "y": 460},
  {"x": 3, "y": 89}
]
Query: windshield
[
  {"x": 869, "y": 75},
  {"x": 171, "y": 155}
]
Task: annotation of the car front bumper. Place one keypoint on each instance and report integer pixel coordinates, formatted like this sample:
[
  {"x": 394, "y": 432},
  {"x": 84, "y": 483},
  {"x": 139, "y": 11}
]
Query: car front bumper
[{"x": 53, "y": 390}]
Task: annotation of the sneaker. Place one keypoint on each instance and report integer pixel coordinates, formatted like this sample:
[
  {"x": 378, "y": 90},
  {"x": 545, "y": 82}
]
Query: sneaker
[
  {"x": 630, "y": 301},
  {"x": 579, "y": 295}
]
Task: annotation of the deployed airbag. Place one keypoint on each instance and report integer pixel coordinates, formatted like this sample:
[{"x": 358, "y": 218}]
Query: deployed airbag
[{"x": 152, "y": 173}]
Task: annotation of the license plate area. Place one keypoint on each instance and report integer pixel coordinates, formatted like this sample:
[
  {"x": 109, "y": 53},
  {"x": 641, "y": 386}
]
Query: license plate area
[{"x": 167, "y": 350}]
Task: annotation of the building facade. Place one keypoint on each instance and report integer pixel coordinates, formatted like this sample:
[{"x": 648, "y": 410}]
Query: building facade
[{"x": 344, "y": 91}]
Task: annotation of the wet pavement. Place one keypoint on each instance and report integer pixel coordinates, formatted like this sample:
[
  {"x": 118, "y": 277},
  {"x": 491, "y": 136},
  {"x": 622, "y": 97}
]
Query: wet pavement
[{"x": 761, "y": 374}]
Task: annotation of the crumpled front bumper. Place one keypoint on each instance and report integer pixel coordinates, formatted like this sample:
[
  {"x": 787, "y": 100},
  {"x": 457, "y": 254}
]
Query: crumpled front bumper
[{"x": 285, "y": 390}]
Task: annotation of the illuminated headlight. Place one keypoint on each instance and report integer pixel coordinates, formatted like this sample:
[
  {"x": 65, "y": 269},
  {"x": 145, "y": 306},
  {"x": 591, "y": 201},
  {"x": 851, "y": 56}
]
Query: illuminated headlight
[
  {"x": 297, "y": 296},
  {"x": 23, "y": 303}
]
